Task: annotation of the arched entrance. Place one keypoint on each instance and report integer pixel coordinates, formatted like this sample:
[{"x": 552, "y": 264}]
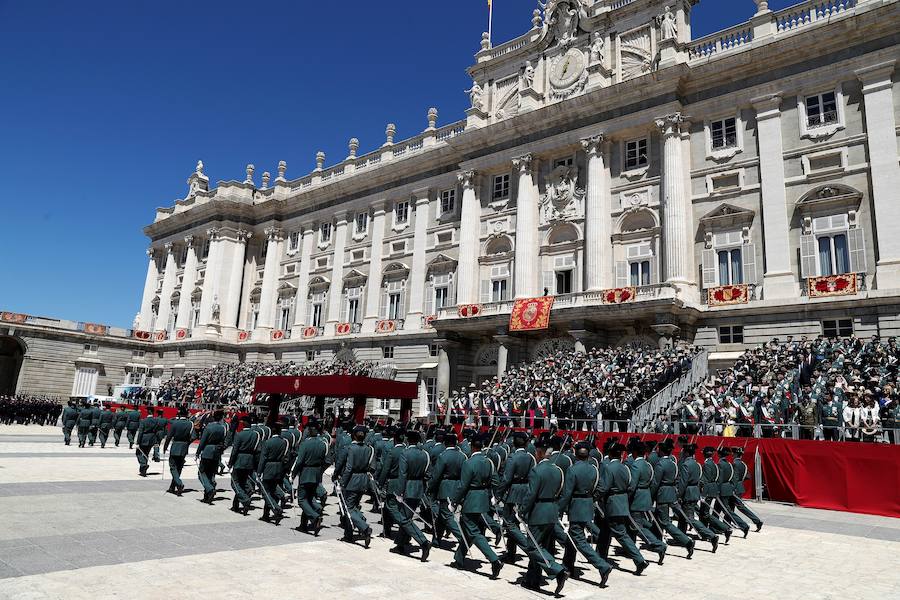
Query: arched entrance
[{"x": 12, "y": 353}]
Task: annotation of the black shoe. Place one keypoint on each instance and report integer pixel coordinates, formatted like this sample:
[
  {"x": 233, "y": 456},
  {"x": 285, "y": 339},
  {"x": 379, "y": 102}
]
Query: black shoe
[
  {"x": 662, "y": 556},
  {"x": 367, "y": 538},
  {"x": 715, "y": 544},
  {"x": 641, "y": 568},
  {"x": 317, "y": 526},
  {"x": 759, "y": 526},
  {"x": 496, "y": 566},
  {"x": 561, "y": 581},
  {"x": 246, "y": 510},
  {"x": 426, "y": 549},
  {"x": 454, "y": 564},
  {"x": 179, "y": 489},
  {"x": 746, "y": 530},
  {"x": 171, "y": 490},
  {"x": 509, "y": 558},
  {"x": 727, "y": 535},
  {"x": 235, "y": 509},
  {"x": 604, "y": 577},
  {"x": 690, "y": 551}
]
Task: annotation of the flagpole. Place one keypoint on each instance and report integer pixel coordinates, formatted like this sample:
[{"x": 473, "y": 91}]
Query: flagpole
[{"x": 490, "y": 23}]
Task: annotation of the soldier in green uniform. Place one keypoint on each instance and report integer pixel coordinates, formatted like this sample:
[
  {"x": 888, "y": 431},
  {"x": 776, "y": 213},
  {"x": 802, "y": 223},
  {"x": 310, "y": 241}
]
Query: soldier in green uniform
[
  {"x": 726, "y": 490},
  {"x": 106, "y": 422},
  {"x": 242, "y": 462},
  {"x": 308, "y": 468},
  {"x": 477, "y": 478},
  {"x": 663, "y": 489},
  {"x": 208, "y": 451},
  {"x": 689, "y": 477},
  {"x": 84, "y": 423},
  {"x": 180, "y": 435},
  {"x": 642, "y": 500},
  {"x": 540, "y": 511},
  {"x": 95, "y": 425},
  {"x": 145, "y": 438},
  {"x": 442, "y": 488},
  {"x": 354, "y": 482},
  {"x": 653, "y": 453},
  {"x": 562, "y": 460},
  {"x": 69, "y": 421},
  {"x": 831, "y": 416},
  {"x": 132, "y": 423},
  {"x": 466, "y": 444},
  {"x": 579, "y": 493},
  {"x": 709, "y": 490},
  {"x": 294, "y": 437},
  {"x": 738, "y": 478},
  {"x": 270, "y": 473},
  {"x": 512, "y": 491},
  {"x": 403, "y": 472},
  {"x": 162, "y": 425},
  {"x": 119, "y": 422},
  {"x": 616, "y": 484}
]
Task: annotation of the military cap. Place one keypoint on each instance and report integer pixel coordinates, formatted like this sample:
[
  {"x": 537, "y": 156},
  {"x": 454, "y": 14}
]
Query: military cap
[
  {"x": 738, "y": 451},
  {"x": 724, "y": 451},
  {"x": 708, "y": 450},
  {"x": 582, "y": 446},
  {"x": 360, "y": 429},
  {"x": 520, "y": 435},
  {"x": 413, "y": 436},
  {"x": 450, "y": 439}
]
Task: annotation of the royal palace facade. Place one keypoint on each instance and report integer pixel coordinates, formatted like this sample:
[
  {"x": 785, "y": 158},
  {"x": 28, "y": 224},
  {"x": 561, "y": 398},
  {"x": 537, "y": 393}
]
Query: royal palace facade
[{"x": 720, "y": 190}]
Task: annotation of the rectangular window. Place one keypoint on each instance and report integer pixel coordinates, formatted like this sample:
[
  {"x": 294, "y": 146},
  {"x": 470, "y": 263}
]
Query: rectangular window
[
  {"x": 821, "y": 109},
  {"x": 394, "y": 300},
  {"x": 294, "y": 241},
  {"x": 90, "y": 349},
  {"x": 564, "y": 283},
  {"x": 311, "y": 355},
  {"x": 731, "y": 334},
  {"x": 361, "y": 222},
  {"x": 384, "y": 404},
  {"x": 441, "y": 297},
  {"x": 640, "y": 273},
  {"x": 835, "y": 328},
  {"x": 317, "y": 315},
  {"x": 834, "y": 256},
  {"x": 284, "y": 318},
  {"x": 448, "y": 201},
  {"x": 195, "y": 314},
  {"x": 498, "y": 290},
  {"x": 353, "y": 310},
  {"x": 204, "y": 254},
  {"x": 137, "y": 354},
  {"x": 85, "y": 381},
  {"x": 387, "y": 352},
  {"x": 723, "y": 133},
  {"x": 636, "y": 155},
  {"x": 433, "y": 350},
  {"x": 501, "y": 187},
  {"x": 730, "y": 267},
  {"x": 568, "y": 161},
  {"x": 431, "y": 392},
  {"x": 401, "y": 213},
  {"x": 325, "y": 233}
]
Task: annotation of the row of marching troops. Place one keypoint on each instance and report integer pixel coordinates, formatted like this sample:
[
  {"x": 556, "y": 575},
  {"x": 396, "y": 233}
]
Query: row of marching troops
[{"x": 91, "y": 422}]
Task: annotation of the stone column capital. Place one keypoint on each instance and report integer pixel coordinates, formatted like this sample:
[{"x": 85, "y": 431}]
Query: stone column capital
[
  {"x": 379, "y": 207},
  {"x": 876, "y": 77},
  {"x": 340, "y": 218},
  {"x": 189, "y": 241},
  {"x": 273, "y": 234},
  {"x": 593, "y": 145},
  {"x": 670, "y": 124},
  {"x": 213, "y": 233},
  {"x": 466, "y": 178},
  {"x": 243, "y": 235},
  {"x": 151, "y": 252},
  {"x": 524, "y": 163},
  {"x": 767, "y": 106},
  {"x": 421, "y": 195},
  {"x": 169, "y": 246}
]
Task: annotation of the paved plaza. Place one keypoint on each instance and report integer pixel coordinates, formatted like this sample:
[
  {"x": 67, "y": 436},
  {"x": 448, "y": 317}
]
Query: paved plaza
[{"x": 79, "y": 523}]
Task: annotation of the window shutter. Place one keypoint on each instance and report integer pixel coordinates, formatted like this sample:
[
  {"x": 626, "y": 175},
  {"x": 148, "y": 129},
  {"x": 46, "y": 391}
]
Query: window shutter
[
  {"x": 808, "y": 256},
  {"x": 748, "y": 257},
  {"x": 709, "y": 268},
  {"x": 325, "y": 306},
  {"x": 549, "y": 283},
  {"x": 309, "y": 311},
  {"x": 485, "y": 291},
  {"x": 621, "y": 273},
  {"x": 429, "y": 298},
  {"x": 384, "y": 302},
  {"x": 856, "y": 243},
  {"x": 451, "y": 291},
  {"x": 346, "y": 307},
  {"x": 654, "y": 269},
  {"x": 401, "y": 313}
]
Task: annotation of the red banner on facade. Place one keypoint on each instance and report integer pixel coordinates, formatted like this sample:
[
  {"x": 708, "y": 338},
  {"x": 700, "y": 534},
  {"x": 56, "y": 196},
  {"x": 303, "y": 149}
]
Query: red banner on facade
[
  {"x": 529, "y": 314},
  {"x": 832, "y": 285},
  {"x": 13, "y": 317},
  {"x": 95, "y": 329},
  {"x": 729, "y": 294}
]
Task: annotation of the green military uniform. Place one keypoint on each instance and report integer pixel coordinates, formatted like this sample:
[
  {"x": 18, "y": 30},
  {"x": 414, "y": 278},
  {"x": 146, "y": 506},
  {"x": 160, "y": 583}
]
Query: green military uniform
[
  {"x": 563, "y": 460},
  {"x": 242, "y": 462},
  {"x": 709, "y": 490},
  {"x": 512, "y": 492},
  {"x": 106, "y": 422},
  {"x": 145, "y": 438},
  {"x": 209, "y": 450},
  {"x": 308, "y": 468},
  {"x": 642, "y": 504},
  {"x": 354, "y": 483},
  {"x": 442, "y": 489},
  {"x": 581, "y": 488},
  {"x": 294, "y": 437},
  {"x": 386, "y": 479},
  {"x": 541, "y": 513},
  {"x": 689, "y": 477},
  {"x": 95, "y": 425},
  {"x": 270, "y": 473},
  {"x": 478, "y": 477},
  {"x": 738, "y": 477},
  {"x": 404, "y": 471},
  {"x": 178, "y": 442},
  {"x": 84, "y": 425},
  {"x": 665, "y": 477},
  {"x": 132, "y": 423},
  {"x": 119, "y": 422},
  {"x": 69, "y": 421},
  {"x": 616, "y": 484},
  {"x": 162, "y": 425},
  {"x": 726, "y": 494}
]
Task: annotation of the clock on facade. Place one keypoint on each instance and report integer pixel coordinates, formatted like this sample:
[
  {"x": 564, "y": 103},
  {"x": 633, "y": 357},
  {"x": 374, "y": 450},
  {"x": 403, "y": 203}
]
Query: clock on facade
[{"x": 567, "y": 68}]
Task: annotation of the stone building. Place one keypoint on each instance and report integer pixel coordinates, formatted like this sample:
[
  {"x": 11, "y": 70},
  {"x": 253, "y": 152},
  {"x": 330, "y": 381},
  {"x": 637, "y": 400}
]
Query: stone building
[{"x": 720, "y": 190}]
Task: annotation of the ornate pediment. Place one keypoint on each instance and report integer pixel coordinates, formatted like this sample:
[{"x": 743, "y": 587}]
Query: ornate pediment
[
  {"x": 442, "y": 262},
  {"x": 563, "y": 199},
  {"x": 353, "y": 277},
  {"x": 564, "y": 20},
  {"x": 726, "y": 215}
]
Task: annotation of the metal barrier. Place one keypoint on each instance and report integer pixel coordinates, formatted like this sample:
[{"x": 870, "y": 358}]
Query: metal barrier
[{"x": 663, "y": 399}]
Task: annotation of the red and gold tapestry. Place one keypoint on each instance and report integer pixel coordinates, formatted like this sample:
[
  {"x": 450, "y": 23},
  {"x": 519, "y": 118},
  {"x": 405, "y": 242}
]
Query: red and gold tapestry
[
  {"x": 619, "y": 295},
  {"x": 531, "y": 313},
  {"x": 729, "y": 294},
  {"x": 95, "y": 329},
  {"x": 831, "y": 285},
  {"x": 13, "y": 317}
]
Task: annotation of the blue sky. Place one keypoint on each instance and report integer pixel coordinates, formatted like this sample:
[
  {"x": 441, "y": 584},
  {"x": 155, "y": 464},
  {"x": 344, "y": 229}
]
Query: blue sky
[{"x": 107, "y": 106}]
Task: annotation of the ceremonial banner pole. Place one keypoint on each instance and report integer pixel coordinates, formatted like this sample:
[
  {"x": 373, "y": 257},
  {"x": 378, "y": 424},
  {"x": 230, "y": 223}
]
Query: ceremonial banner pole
[{"x": 490, "y": 22}]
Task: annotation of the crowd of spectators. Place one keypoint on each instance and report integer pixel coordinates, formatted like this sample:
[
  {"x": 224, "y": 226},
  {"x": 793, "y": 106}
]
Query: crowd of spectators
[
  {"x": 571, "y": 390},
  {"x": 28, "y": 409},
  {"x": 832, "y": 389}
]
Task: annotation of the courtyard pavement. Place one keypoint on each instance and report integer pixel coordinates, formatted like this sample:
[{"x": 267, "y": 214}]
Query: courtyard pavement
[{"x": 79, "y": 523}]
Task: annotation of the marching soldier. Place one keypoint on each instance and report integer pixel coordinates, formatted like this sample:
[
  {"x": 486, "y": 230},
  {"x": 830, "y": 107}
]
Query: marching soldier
[
  {"x": 726, "y": 490},
  {"x": 294, "y": 437},
  {"x": 389, "y": 480},
  {"x": 180, "y": 436},
  {"x": 162, "y": 424},
  {"x": 69, "y": 421},
  {"x": 95, "y": 425},
  {"x": 512, "y": 492},
  {"x": 737, "y": 499},
  {"x": 84, "y": 423},
  {"x": 582, "y": 481},
  {"x": 665, "y": 476},
  {"x": 308, "y": 467},
  {"x": 709, "y": 489},
  {"x": 132, "y": 423},
  {"x": 121, "y": 419},
  {"x": 270, "y": 473},
  {"x": 354, "y": 483},
  {"x": 106, "y": 422},
  {"x": 616, "y": 484},
  {"x": 442, "y": 488},
  {"x": 242, "y": 462},
  {"x": 145, "y": 438},
  {"x": 477, "y": 478},
  {"x": 642, "y": 501},
  {"x": 689, "y": 477},
  {"x": 209, "y": 451}
]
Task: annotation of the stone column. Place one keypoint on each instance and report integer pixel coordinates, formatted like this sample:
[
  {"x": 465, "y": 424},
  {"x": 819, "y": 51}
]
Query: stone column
[
  {"x": 146, "y": 316},
  {"x": 469, "y": 233},
  {"x": 504, "y": 345},
  {"x": 335, "y": 294},
  {"x": 309, "y": 233},
  {"x": 598, "y": 260},
  {"x": 236, "y": 277},
  {"x": 528, "y": 258},
  {"x": 270, "y": 282},
  {"x": 419, "y": 268},
  {"x": 881, "y": 127},
  {"x": 210, "y": 293},
  {"x": 183, "y": 320},
  {"x": 373, "y": 285},
  {"x": 778, "y": 281},
  {"x": 676, "y": 208},
  {"x": 443, "y": 369},
  {"x": 168, "y": 286}
]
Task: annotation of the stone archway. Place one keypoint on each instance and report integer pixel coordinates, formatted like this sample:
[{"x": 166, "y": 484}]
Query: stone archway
[{"x": 12, "y": 353}]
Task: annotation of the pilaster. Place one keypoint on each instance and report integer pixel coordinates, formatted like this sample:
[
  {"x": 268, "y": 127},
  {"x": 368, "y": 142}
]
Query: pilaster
[
  {"x": 373, "y": 285},
  {"x": 598, "y": 261},
  {"x": 469, "y": 232},
  {"x": 336, "y": 291},
  {"x": 419, "y": 268},
  {"x": 528, "y": 260}
]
